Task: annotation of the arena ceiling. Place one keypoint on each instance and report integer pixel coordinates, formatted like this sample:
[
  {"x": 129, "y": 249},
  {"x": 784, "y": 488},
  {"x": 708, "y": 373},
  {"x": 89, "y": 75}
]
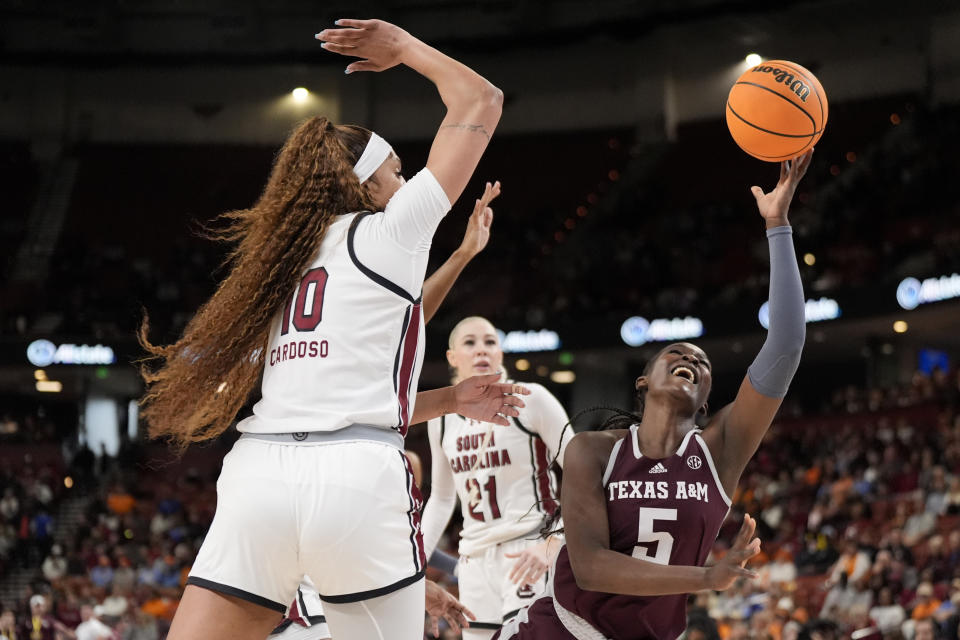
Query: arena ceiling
[{"x": 130, "y": 31}]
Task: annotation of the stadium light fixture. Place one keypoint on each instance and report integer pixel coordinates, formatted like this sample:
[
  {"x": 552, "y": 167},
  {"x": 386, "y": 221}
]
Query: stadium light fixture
[{"x": 753, "y": 59}]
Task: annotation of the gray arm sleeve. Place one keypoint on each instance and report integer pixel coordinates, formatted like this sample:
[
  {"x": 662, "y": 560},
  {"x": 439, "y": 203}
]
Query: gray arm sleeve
[
  {"x": 773, "y": 368},
  {"x": 443, "y": 561}
]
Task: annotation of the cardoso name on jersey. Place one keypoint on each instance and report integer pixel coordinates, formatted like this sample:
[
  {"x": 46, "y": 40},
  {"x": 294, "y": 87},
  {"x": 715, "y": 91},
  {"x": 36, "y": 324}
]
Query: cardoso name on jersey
[{"x": 299, "y": 350}]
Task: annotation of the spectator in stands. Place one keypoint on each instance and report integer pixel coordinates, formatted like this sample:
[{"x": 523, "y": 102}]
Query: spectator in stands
[
  {"x": 952, "y": 502},
  {"x": 143, "y": 626},
  {"x": 842, "y": 596},
  {"x": 102, "y": 574},
  {"x": 55, "y": 565},
  {"x": 926, "y": 629},
  {"x": 119, "y": 500},
  {"x": 780, "y": 571},
  {"x": 853, "y": 562},
  {"x": 124, "y": 576},
  {"x": 91, "y": 628},
  {"x": 925, "y": 603},
  {"x": 9, "y": 505},
  {"x": 116, "y": 604},
  {"x": 40, "y": 625},
  {"x": 8, "y": 539},
  {"x": 936, "y": 502},
  {"x": 41, "y": 531},
  {"x": 8, "y": 625},
  {"x": 166, "y": 573},
  {"x": 41, "y": 492},
  {"x": 887, "y": 614},
  {"x": 899, "y": 551},
  {"x": 951, "y": 626},
  {"x": 919, "y": 524}
]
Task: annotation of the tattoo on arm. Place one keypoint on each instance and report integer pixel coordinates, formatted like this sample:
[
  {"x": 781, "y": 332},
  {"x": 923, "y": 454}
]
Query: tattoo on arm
[{"x": 475, "y": 128}]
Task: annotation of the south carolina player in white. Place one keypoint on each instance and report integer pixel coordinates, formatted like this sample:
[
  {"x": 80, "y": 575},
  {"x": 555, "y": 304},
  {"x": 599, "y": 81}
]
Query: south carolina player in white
[
  {"x": 506, "y": 488},
  {"x": 305, "y": 619},
  {"x": 323, "y": 300}
]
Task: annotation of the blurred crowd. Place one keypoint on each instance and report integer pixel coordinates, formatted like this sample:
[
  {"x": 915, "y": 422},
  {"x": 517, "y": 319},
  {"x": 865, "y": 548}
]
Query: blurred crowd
[
  {"x": 858, "y": 509},
  {"x": 120, "y": 570},
  {"x": 693, "y": 250},
  {"x": 689, "y": 242}
]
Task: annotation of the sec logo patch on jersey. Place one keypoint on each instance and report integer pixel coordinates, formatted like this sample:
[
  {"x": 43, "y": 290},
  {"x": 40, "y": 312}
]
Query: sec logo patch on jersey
[{"x": 694, "y": 462}]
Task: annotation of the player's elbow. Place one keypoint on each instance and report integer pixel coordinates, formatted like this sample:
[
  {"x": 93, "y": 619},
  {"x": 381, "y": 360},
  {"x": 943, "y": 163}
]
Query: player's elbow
[
  {"x": 491, "y": 97},
  {"x": 585, "y": 572}
]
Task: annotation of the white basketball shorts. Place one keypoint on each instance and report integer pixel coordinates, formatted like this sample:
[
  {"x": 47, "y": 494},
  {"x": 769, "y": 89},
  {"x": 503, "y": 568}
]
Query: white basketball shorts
[
  {"x": 345, "y": 513},
  {"x": 486, "y": 589}
]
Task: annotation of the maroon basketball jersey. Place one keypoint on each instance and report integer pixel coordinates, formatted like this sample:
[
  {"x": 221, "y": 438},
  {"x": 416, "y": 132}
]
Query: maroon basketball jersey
[{"x": 667, "y": 511}]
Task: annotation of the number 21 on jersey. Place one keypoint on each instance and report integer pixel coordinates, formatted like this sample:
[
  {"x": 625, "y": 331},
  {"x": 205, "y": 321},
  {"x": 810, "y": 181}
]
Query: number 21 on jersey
[{"x": 490, "y": 487}]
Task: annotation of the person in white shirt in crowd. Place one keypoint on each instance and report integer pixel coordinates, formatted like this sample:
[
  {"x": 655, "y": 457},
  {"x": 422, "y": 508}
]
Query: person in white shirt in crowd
[
  {"x": 887, "y": 614},
  {"x": 55, "y": 565},
  {"x": 91, "y": 628},
  {"x": 854, "y": 562}
]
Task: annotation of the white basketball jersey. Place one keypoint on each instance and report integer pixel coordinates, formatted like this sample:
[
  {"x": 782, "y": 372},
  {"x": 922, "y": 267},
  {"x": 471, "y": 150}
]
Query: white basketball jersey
[
  {"x": 513, "y": 480},
  {"x": 348, "y": 345}
]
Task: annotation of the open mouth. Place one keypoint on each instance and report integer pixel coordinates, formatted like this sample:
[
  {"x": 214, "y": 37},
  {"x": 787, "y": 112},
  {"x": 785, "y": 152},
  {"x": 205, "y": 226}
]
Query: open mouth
[{"x": 685, "y": 372}]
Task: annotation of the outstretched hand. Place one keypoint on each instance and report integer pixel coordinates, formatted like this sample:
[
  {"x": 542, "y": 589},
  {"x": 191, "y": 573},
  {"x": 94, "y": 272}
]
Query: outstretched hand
[
  {"x": 440, "y": 604},
  {"x": 487, "y": 399},
  {"x": 731, "y": 566},
  {"x": 379, "y": 44},
  {"x": 773, "y": 206},
  {"x": 533, "y": 562},
  {"x": 478, "y": 227}
]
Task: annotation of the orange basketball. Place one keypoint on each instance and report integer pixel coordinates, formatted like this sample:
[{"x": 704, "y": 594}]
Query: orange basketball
[{"x": 776, "y": 110}]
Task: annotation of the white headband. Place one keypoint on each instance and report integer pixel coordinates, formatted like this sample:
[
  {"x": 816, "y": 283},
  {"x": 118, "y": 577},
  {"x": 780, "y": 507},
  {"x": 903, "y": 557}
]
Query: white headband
[{"x": 374, "y": 154}]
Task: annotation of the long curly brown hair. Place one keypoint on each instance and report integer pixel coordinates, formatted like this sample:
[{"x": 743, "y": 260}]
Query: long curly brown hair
[{"x": 195, "y": 386}]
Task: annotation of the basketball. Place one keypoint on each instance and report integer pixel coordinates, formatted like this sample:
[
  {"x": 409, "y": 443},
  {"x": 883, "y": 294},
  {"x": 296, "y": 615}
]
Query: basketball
[{"x": 776, "y": 110}]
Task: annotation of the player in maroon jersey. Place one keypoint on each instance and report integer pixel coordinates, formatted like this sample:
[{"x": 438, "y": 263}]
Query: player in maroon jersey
[{"x": 642, "y": 506}]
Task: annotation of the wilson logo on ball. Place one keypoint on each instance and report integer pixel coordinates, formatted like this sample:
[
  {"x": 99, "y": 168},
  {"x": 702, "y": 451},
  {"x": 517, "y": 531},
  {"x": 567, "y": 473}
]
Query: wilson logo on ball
[
  {"x": 776, "y": 110},
  {"x": 785, "y": 77}
]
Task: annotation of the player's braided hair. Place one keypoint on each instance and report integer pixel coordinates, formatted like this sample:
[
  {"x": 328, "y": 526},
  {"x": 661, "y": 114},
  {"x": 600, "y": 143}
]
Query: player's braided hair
[
  {"x": 196, "y": 385},
  {"x": 621, "y": 419}
]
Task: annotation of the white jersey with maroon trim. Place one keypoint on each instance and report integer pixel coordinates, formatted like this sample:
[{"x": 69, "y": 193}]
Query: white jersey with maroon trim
[
  {"x": 348, "y": 345},
  {"x": 513, "y": 481}
]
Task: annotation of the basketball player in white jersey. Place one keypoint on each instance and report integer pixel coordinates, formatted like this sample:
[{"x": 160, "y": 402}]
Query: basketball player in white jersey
[
  {"x": 305, "y": 619},
  {"x": 323, "y": 300},
  {"x": 506, "y": 489}
]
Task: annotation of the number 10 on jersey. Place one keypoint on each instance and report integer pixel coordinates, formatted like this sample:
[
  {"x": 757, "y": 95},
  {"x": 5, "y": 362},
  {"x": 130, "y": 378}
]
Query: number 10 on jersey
[{"x": 309, "y": 293}]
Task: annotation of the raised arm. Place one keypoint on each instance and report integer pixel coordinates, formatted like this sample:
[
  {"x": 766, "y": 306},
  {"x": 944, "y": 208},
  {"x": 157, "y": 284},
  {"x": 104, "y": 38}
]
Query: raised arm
[
  {"x": 473, "y": 104},
  {"x": 596, "y": 567},
  {"x": 736, "y": 431},
  {"x": 438, "y": 285}
]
